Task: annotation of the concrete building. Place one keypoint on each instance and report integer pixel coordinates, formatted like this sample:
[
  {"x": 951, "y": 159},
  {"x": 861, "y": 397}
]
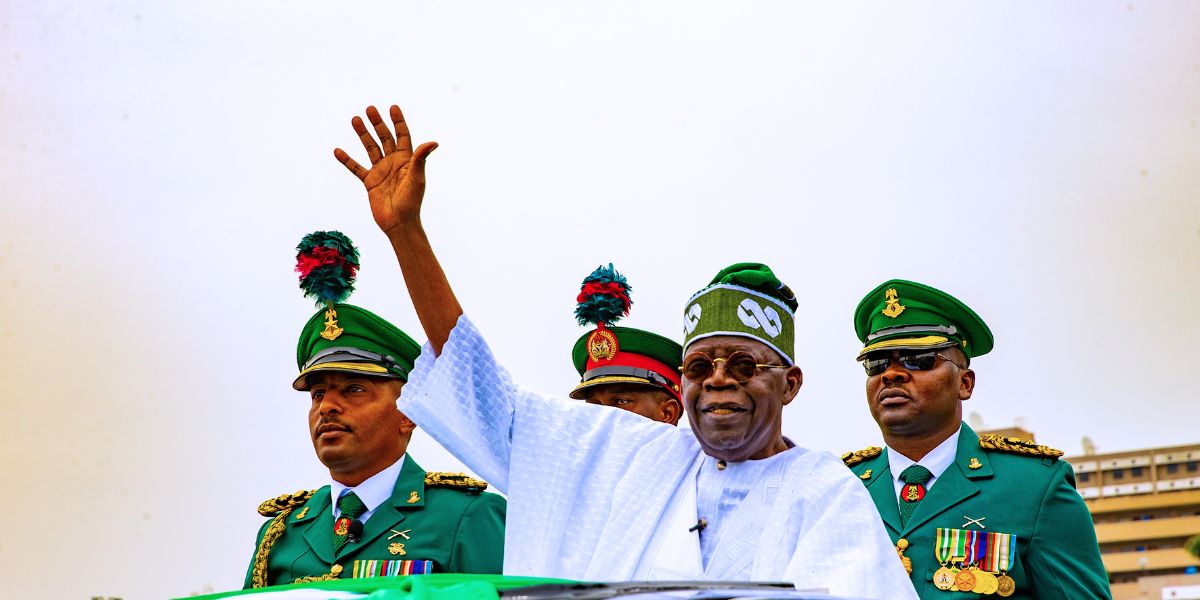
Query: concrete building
[{"x": 1146, "y": 504}]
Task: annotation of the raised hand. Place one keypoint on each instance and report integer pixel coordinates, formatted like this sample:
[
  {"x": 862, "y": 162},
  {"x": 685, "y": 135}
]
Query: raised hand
[
  {"x": 395, "y": 186},
  {"x": 396, "y": 180}
]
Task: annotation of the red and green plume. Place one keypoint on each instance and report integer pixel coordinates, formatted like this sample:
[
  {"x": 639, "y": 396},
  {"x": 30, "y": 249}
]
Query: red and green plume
[
  {"x": 327, "y": 262},
  {"x": 604, "y": 297}
]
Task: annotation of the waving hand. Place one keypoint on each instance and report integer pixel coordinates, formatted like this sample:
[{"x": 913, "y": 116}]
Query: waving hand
[{"x": 396, "y": 180}]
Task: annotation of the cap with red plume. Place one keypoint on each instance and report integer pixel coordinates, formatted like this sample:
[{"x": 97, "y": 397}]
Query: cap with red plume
[{"x": 619, "y": 355}]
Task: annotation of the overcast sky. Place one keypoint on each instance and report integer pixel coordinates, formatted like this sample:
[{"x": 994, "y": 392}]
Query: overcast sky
[{"x": 160, "y": 161}]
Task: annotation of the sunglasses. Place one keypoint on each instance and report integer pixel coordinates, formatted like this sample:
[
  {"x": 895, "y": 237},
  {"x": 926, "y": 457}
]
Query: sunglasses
[
  {"x": 913, "y": 362},
  {"x": 741, "y": 366}
]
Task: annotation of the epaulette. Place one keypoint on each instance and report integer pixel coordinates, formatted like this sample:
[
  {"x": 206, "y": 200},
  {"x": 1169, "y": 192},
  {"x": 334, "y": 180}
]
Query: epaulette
[
  {"x": 454, "y": 480},
  {"x": 282, "y": 502},
  {"x": 853, "y": 458},
  {"x": 1016, "y": 445}
]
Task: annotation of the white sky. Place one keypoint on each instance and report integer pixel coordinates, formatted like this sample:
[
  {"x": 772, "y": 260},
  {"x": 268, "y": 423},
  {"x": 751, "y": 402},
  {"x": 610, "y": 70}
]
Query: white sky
[{"x": 159, "y": 161}]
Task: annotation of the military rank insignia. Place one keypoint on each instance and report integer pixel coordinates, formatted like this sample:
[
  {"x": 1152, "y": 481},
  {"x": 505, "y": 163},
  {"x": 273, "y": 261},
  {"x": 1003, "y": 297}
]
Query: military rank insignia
[
  {"x": 390, "y": 568},
  {"x": 974, "y": 561}
]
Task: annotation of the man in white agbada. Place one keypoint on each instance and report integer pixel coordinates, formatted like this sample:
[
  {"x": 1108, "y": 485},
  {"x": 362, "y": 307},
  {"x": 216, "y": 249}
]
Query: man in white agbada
[{"x": 605, "y": 495}]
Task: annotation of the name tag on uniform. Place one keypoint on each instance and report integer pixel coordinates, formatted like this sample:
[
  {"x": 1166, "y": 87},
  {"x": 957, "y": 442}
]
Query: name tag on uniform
[{"x": 390, "y": 568}]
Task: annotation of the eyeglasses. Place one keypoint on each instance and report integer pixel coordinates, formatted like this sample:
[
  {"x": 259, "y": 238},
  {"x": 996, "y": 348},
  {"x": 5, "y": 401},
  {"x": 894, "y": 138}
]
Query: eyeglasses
[
  {"x": 913, "y": 362},
  {"x": 741, "y": 366}
]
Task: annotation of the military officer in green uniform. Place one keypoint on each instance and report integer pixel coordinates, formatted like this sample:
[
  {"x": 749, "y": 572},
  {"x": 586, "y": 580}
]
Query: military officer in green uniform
[
  {"x": 968, "y": 513},
  {"x": 382, "y": 514},
  {"x": 623, "y": 367}
]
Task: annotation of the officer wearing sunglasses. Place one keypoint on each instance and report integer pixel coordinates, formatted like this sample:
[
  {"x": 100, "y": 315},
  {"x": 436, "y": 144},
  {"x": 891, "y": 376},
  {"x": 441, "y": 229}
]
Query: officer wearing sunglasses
[{"x": 968, "y": 513}]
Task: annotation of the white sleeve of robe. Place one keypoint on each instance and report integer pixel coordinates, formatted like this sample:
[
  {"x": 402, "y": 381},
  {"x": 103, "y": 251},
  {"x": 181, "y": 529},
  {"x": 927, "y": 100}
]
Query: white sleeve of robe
[
  {"x": 586, "y": 484},
  {"x": 597, "y": 494},
  {"x": 840, "y": 542}
]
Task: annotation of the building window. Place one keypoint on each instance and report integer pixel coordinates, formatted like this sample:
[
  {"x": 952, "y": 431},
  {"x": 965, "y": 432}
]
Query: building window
[
  {"x": 1135, "y": 472},
  {"x": 1083, "y": 477},
  {"x": 1192, "y": 467},
  {"x": 1173, "y": 468},
  {"x": 1118, "y": 474}
]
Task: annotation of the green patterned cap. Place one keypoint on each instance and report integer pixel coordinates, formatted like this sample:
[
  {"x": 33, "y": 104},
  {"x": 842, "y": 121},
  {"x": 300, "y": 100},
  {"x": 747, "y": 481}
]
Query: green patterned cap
[
  {"x": 905, "y": 315},
  {"x": 746, "y": 300},
  {"x": 344, "y": 337}
]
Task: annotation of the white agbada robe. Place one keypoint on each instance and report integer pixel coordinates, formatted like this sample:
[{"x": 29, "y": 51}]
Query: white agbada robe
[{"x": 599, "y": 494}]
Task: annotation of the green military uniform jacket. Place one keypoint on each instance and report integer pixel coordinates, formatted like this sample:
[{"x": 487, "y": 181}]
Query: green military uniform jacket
[
  {"x": 1023, "y": 490},
  {"x": 446, "y": 519}
]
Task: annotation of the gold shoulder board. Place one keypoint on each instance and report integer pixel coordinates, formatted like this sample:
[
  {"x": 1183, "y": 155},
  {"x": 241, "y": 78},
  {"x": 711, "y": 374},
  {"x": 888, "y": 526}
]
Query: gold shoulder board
[
  {"x": 1016, "y": 445},
  {"x": 853, "y": 458},
  {"x": 454, "y": 480},
  {"x": 282, "y": 502}
]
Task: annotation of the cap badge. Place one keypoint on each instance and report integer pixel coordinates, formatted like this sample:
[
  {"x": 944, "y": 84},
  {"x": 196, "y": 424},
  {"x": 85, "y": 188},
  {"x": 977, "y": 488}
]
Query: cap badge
[
  {"x": 893, "y": 308},
  {"x": 332, "y": 331},
  {"x": 602, "y": 345}
]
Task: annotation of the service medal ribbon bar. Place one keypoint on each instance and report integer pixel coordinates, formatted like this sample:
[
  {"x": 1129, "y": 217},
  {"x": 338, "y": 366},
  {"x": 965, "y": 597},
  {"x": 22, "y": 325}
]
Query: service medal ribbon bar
[{"x": 974, "y": 561}]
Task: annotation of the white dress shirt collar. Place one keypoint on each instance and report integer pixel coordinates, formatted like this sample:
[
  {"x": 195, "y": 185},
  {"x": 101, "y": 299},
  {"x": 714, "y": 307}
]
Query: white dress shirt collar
[
  {"x": 937, "y": 461},
  {"x": 373, "y": 492}
]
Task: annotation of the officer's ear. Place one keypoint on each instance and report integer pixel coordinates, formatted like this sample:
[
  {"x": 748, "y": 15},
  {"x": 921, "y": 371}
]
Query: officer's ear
[
  {"x": 966, "y": 384},
  {"x": 966, "y": 377},
  {"x": 406, "y": 425},
  {"x": 669, "y": 409}
]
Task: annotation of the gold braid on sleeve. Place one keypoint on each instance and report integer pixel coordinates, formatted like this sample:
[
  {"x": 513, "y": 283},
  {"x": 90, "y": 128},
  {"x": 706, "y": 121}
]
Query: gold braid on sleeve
[
  {"x": 334, "y": 573},
  {"x": 258, "y": 577}
]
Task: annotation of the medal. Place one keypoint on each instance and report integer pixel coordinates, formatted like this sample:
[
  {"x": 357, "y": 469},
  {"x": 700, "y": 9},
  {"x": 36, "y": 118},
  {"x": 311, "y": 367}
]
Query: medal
[
  {"x": 985, "y": 583},
  {"x": 943, "y": 579},
  {"x": 1005, "y": 586},
  {"x": 964, "y": 580},
  {"x": 946, "y": 550},
  {"x": 1002, "y": 549}
]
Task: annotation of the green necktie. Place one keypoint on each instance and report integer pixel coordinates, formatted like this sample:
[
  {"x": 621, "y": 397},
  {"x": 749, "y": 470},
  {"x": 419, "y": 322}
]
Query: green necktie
[
  {"x": 351, "y": 507},
  {"x": 913, "y": 491}
]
